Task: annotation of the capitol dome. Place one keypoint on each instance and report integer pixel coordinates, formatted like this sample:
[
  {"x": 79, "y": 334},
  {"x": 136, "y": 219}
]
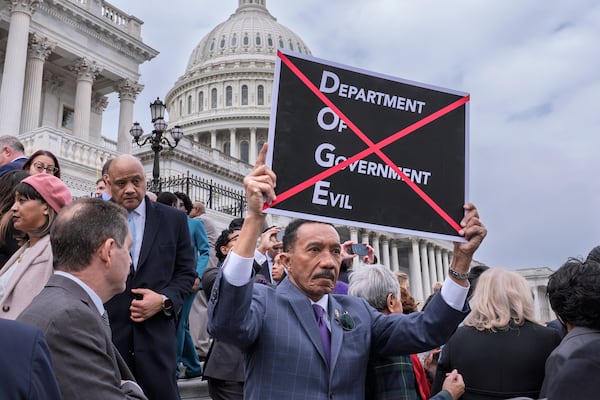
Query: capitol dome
[
  {"x": 223, "y": 100},
  {"x": 250, "y": 31}
]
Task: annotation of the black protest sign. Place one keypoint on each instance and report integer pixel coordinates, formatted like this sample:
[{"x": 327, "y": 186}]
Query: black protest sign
[{"x": 363, "y": 149}]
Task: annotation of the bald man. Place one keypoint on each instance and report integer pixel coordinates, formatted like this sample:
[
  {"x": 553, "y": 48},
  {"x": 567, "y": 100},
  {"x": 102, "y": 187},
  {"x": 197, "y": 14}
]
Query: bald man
[{"x": 162, "y": 274}]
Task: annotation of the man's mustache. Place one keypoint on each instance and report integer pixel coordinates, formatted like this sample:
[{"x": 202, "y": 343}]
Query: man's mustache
[{"x": 326, "y": 275}]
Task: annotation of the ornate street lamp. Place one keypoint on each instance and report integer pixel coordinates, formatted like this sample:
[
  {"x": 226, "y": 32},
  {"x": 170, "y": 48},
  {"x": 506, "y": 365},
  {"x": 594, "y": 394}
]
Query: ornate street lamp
[{"x": 156, "y": 138}]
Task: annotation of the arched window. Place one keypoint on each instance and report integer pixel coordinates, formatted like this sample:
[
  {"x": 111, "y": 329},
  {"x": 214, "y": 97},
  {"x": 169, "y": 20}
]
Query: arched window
[
  {"x": 246, "y": 40},
  {"x": 260, "y": 94},
  {"x": 228, "y": 96},
  {"x": 244, "y": 95},
  {"x": 244, "y": 150},
  {"x": 180, "y": 107},
  {"x": 212, "y": 45},
  {"x": 189, "y": 104},
  {"x": 222, "y": 42},
  {"x": 291, "y": 45},
  {"x": 270, "y": 41},
  {"x": 201, "y": 101},
  {"x": 258, "y": 39},
  {"x": 234, "y": 40},
  {"x": 213, "y": 98},
  {"x": 227, "y": 148},
  {"x": 280, "y": 43}
]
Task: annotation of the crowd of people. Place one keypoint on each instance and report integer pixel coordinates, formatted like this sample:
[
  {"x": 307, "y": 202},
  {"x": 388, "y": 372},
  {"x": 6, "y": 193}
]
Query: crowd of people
[{"x": 121, "y": 295}]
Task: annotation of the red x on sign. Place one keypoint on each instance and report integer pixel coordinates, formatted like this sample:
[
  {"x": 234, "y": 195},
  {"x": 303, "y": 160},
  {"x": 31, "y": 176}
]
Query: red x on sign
[{"x": 366, "y": 190}]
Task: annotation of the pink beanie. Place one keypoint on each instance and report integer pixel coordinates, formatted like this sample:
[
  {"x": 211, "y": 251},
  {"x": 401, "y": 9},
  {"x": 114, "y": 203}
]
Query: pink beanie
[{"x": 53, "y": 190}]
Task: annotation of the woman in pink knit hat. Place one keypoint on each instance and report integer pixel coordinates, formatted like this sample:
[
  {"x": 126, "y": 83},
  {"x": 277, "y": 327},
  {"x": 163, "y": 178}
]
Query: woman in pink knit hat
[{"x": 38, "y": 200}]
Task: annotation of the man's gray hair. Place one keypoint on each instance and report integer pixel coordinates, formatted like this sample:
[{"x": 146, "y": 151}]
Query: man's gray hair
[
  {"x": 374, "y": 283},
  {"x": 12, "y": 142}
]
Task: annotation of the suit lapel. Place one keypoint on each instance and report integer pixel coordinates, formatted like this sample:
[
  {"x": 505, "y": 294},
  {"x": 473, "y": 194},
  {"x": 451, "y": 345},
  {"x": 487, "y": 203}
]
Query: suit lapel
[
  {"x": 150, "y": 231},
  {"x": 337, "y": 333},
  {"x": 300, "y": 304},
  {"x": 264, "y": 271}
]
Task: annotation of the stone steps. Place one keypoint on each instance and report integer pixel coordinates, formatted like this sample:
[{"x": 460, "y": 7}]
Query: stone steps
[{"x": 193, "y": 389}]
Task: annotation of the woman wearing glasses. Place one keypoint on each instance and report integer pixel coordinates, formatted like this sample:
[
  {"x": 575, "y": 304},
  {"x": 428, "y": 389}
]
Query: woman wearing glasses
[{"x": 42, "y": 161}]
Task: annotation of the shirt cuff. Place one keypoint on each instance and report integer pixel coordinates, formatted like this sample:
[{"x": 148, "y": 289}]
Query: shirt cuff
[
  {"x": 454, "y": 294},
  {"x": 259, "y": 257},
  {"x": 237, "y": 270}
]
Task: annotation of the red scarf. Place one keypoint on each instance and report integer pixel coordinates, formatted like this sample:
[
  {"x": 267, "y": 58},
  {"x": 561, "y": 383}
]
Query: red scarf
[{"x": 423, "y": 385}]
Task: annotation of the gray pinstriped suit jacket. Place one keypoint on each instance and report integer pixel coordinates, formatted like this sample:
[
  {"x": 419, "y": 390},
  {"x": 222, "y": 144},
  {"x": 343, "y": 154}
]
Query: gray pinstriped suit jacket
[{"x": 276, "y": 329}]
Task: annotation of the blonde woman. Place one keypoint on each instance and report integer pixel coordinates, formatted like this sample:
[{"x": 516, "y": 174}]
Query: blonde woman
[
  {"x": 38, "y": 199},
  {"x": 501, "y": 350}
]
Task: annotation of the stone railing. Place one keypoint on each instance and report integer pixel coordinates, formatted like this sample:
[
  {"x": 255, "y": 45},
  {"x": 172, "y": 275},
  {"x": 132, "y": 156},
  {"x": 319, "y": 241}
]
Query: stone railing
[
  {"x": 67, "y": 147},
  {"x": 215, "y": 156},
  {"x": 128, "y": 23},
  {"x": 113, "y": 15}
]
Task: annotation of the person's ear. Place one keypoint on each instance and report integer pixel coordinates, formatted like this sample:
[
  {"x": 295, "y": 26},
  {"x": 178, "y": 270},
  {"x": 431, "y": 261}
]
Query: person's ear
[
  {"x": 104, "y": 252},
  {"x": 390, "y": 303},
  {"x": 285, "y": 259}
]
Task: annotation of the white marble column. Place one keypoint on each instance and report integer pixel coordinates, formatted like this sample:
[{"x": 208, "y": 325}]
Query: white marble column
[
  {"x": 364, "y": 237},
  {"x": 432, "y": 267},
  {"x": 414, "y": 270},
  {"x": 386, "y": 252},
  {"x": 425, "y": 269},
  {"x": 394, "y": 249},
  {"x": 39, "y": 49},
  {"x": 353, "y": 234},
  {"x": 99, "y": 104},
  {"x": 233, "y": 143},
  {"x": 354, "y": 238},
  {"x": 445, "y": 262},
  {"x": 87, "y": 71},
  {"x": 213, "y": 139},
  {"x": 375, "y": 246},
  {"x": 438, "y": 264},
  {"x": 253, "y": 149},
  {"x": 15, "y": 60},
  {"x": 128, "y": 91}
]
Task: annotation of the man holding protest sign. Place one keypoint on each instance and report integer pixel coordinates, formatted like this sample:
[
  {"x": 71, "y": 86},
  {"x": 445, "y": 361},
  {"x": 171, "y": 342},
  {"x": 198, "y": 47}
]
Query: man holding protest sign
[{"x": 303, "y": 342}]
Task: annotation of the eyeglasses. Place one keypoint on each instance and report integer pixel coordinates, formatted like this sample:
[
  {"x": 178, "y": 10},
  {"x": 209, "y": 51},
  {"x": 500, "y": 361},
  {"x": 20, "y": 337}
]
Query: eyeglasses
[{"x": 41, "y": 167}]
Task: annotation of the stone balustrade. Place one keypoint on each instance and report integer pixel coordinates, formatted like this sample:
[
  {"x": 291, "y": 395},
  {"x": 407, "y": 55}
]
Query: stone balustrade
[
  {"x": 68, "y": 148},
  {"x": 112, "y": 14},
  {"x": 121, "y": 20}
]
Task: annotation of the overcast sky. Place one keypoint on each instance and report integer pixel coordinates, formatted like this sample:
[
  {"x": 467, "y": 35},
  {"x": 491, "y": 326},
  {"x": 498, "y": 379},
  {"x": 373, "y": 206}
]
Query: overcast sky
[{"x": 532, "y": 69}]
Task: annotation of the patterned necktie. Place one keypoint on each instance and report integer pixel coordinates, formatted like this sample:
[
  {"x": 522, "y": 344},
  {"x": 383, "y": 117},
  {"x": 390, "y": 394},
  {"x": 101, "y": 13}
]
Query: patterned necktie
[
  {"x": 106, "y": 323},
  {"x": 323, "y": 331}
]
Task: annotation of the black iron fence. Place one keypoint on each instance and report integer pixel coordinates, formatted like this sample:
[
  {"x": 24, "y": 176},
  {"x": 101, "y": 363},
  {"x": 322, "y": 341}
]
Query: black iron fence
[{"x": 215, "y": 196}]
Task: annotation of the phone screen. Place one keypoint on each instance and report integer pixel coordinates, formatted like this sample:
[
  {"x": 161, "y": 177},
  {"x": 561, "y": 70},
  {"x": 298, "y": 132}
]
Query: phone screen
[{"x": 359, "y": 249}]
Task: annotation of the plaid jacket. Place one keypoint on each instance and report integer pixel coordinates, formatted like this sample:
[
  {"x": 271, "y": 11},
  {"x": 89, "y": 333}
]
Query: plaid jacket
[{"x": 393, "y": 378}]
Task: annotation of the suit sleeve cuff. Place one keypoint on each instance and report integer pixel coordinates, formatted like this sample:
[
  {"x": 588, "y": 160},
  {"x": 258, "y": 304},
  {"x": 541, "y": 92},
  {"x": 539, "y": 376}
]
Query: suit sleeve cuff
[
  {"x": 237, "y": 270},
  {"x": 454, "y": 294}
]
